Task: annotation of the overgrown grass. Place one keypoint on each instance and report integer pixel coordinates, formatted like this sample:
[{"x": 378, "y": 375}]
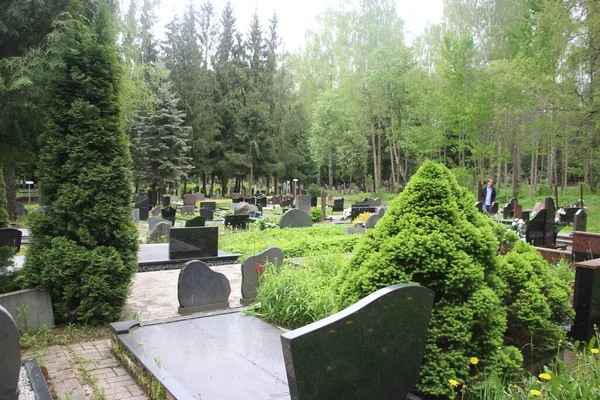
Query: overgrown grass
[
  {"x": 295, "y": 296},
  {"x": 63, "y": 335},
  {"x": 294, "y": 242}
]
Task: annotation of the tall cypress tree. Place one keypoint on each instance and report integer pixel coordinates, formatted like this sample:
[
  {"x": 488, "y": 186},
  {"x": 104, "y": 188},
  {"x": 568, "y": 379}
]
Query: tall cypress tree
[{"x": 84, "y": 248}]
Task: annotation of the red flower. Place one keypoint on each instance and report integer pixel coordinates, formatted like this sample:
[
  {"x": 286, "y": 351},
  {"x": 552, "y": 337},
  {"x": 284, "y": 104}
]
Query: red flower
[{"x": 259, "y": 266}]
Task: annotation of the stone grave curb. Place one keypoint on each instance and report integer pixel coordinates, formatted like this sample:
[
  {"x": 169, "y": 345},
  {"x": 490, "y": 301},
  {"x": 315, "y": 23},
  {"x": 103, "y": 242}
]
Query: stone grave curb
[
  {"x": 126, "y": 349},
  {"x": 36, "y": 379}
]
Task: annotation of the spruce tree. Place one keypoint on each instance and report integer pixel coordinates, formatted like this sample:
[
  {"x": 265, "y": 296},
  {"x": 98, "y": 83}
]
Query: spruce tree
[{"x": 84, "y": 247}]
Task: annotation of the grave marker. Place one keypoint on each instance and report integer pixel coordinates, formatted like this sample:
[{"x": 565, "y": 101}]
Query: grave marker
[
  {"x": 371, "y": 350},
  {"x": 371, "y": 221},
  {"x": 11, "y": 237},
  {"x": 10, "y": 359},
  {"x": 161, "y": 232},
  {"x": 252, "y": 268},
  {"x": 295, "y": 218},
  {"x": 155, "y": 212},
  {"x": 188, "y": 210},
  {"x": 189, "y": 200},
  {"x": 207, "y": 214},
  {"x": 196, "y": 221},
  {"x": 168, "y": 213},
  {"x": 580, "y": 221},
  {"x": 303, "y": 204},
  {"x": 199, "y": 288},
  {"x": 144, "y": 207},
  {"x": 197, "y": 242},
  {"x": 211, "y": 205}
]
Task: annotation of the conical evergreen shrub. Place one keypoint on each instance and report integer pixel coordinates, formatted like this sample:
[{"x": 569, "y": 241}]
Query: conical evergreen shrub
[
  {"x": 84, "y": 247},
  {"x": 432, "y": 235}
]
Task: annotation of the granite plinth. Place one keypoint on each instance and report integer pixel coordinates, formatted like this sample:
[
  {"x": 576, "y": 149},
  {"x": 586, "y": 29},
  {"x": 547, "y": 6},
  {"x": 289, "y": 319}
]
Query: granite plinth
[
  {"x": 155, "y": 257},
  {"x": 194, "y": 242},
  {"x": 223, "y": 355}
]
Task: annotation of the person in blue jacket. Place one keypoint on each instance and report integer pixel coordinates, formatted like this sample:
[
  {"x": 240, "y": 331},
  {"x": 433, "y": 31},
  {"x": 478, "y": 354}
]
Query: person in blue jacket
[{"x": 489, "y": 196}]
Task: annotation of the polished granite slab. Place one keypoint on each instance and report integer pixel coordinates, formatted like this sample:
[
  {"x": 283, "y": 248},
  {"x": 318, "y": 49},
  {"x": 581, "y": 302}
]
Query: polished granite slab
[{"x": 214, "y": 356}]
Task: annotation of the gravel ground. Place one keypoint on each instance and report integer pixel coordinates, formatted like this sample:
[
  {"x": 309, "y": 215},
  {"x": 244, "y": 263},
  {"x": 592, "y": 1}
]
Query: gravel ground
[{"x": 25, "y": 391}]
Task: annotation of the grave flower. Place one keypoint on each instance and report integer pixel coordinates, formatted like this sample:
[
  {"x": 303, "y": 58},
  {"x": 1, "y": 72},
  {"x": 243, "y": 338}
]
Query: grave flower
[
  {"x": 534, "y": 392},
  {"x": 259, "y": 266},
  {"x": 474, "y": 360},
  {"x": 453, "y": 383}
]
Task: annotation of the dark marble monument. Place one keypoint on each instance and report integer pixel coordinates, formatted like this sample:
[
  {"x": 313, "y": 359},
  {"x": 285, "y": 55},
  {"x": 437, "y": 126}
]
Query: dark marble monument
[
  {"x": 586, "y": 299},
  {"x": 196, "y": 221},
  {"x": 10, "y": 359},
  {"x": 211, "y": 205},
  {"x": 199, "y": 288},
  {"x": 295, "y": 218},
  {"x": 190, "y": 243},
  {"x": 371, "y": 350},
  {"x": 11, "y": 237},
  {"x": 169, "y": 213},
  {"x": 252, "y": 267},
  {"x": 144, "y": 207}
]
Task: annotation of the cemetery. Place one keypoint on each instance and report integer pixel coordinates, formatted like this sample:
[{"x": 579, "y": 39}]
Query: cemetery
[{"x": 195, "y": 206}]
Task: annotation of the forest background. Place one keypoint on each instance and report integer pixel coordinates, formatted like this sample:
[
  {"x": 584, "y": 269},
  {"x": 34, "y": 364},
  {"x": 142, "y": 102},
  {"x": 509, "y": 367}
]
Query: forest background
[{"x": 505, "y": 89}]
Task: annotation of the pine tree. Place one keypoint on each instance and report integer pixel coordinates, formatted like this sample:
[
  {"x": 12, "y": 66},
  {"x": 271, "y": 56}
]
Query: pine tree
[
  {"x": 84, "y": 248},
  {"x": 167, "y": 140}
]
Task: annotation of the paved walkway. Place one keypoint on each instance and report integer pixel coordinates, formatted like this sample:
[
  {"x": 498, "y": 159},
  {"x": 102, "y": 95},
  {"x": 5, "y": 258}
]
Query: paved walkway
[{"x": 89, "y": 371}]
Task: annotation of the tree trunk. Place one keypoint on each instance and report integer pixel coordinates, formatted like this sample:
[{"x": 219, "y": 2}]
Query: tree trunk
[
  {"x": 392, "y": 172},
  {"x": 330, "y": 166},
  {"x": 203, "y": 183},
  {"x": 565, "y": 168},
  {"x": 532, "y": 172},
  {"x": 276, "y": 184},
  {"x": 212, "y": 184},
  {"x": 374, "y": 149},
  {"x": 225, "y": 186},
  {"x": 11, "y": 190},
  {"x": 378, "y": 176}
]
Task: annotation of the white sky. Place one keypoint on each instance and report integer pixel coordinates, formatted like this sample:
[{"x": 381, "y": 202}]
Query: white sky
[{"x": 296, "y": 16}]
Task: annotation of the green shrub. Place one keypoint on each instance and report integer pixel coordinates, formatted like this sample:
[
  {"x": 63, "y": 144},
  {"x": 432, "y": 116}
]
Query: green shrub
[
  {"x": 314, "y": 190},
  {"x": 362, "y": 218},
  {"x": 84, "y": 247},
  {"x": 3, "y": 203},
  {"x": 8, "y": 280},
  {"x": 315, "y": 214},
  {"x": 294, "y": 295}
]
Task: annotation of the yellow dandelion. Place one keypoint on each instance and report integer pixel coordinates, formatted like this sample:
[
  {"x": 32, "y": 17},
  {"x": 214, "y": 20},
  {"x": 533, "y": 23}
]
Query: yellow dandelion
[
  {"x": 534, "y": 392},
  {"x": 545, "y": 376},
  {"x": 474, "y": 360},
  {"x": 453, "y": 382},
  {"x": 329, "y": 368},
  {"x": 595, "y": 351}
]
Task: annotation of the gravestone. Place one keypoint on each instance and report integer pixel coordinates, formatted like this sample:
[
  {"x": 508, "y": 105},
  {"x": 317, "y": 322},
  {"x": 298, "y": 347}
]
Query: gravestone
[
  {"x": 11, "y": 237},
  {"x": 537, "y": 207},
  {"x": 260, "y": 202},
  {"x": 479, "y": 206},
  {"x": 188, "y": 210},
  {"x": 144, "y": 207},
  {"x": 295, "y": 218},
  {"x": 313, "y": 201},
  {"x": 377, "y": 202},
  {"x": 174, "y": 199},
  {"x": 585, "y": 299},
  {"x": 207, "y": 214},
  {"x": 237, "y": 200},
  {"x": 303, "y": 204},
  {"x": 580, "y": 221},
  {"x": 494, "y": 208},
  {"x": 199, "y": 196},
  {"x": 355, "y": 230},
  {"x": 155, "y": 212},
  {"x": 549, "y": 234},
  {"x": 330, "y": 200},
  {"x": 276, "y": 200},
  {"x": 152, "y": 221},
  {"x": 22, "y": 212},
  {"x": 136, "y": 214},
  {"x": 586, "y": 246},
  {"x": 197, "y": 242},
  {"x": 535, "y": 229},
  {"x": 518, "y": 211},
  {"x": 244, "y": 208},
  {"x": 288, "y": 202},
  {"x": 196, "y": 221},
  {"x": 153, "y": 197},
  {"x": 238, "y": 221},
  {"x": 371, "y": 221},
  {"x": 338, "y": 205},
  {"x": 567, "y": 214},
  {"x": 381, "y": 211},
  {"x": 252, "y": 268},
  {"x": 189, "y": 200},
  {"x": 371, "y": 350},
  {"x": 509, "y": 208},
  {"x": 10, "y": 357},
  {"x": 166, "y": 201},
  {"x": 161, "y": 232},
  {"x": 211, "y": 205},
  {"x": 359, "y": 208},
  {"x": 217, "y": 193},
  {"x": 199, "y": 288},
  {"x": 19, "y": 206},
  {"x": 168, "y": 213},
  {"x": 138, "y": 198}
]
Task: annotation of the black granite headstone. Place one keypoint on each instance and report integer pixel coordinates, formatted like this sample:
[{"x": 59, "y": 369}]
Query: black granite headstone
[
  {"x": 211, "y": 205},
  {"x": 295, "y": 218},
  {"x": 160, "y": 232},
  {"x": 144, "y": 207},
  {"x": 580, "y": 221},
  {"x": 252, "y": 267},
  {"x": 338, "y": 205},
  {"x": 508, "y": 211},
  {"x": 10, "y": 359},
  {"x": 371, "y": 350},
  {"x": 199, "y": 288},
  {"x": 198, "y": 242},
  {"x": 168, "y": 213},
  {"x": 196, "y": 221},
  {"x": 166, "y": 201},
  {"x": 239, "y": 221},
  {"x": 11, "y": 237},
  {"x": 586, "y": 299},
  {"x": 207, "y": 213},
  {"x": 535, "y": 229}
]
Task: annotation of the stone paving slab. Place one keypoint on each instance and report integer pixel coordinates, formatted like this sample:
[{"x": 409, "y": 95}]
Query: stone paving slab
[{"x": 68, "y": 366}]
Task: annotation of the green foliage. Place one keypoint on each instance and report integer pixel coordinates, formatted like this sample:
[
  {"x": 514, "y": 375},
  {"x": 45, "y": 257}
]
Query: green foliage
[
  {"x": 295, "y": 295},
  {"x": 8, "y": 280},
  {"x": 84, "y": 247},
  {"x": 294, "y": 242},
  {"x": 536, "y": 300},
  {"x": 3, "y": 203},
  {"x": 315, "y": 214},
  {"x": 432, "y": 235},
  {"x": 314, "y": 190},
  {"x": 362, "y": 218}
]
